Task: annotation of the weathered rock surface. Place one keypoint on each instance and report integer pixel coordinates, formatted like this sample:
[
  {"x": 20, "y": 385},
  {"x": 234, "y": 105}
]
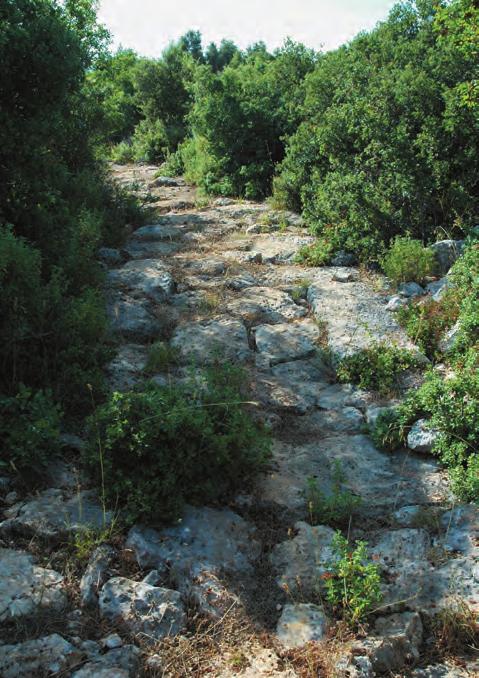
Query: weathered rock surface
[
  {"x": 51, "y": 655},
  {"x": 53, "y": 516},
  {"x": 95, "y": 574},
  {"x": 301, "y": 623},
  {"x": 150, "y": 611},
  {"x": 265, "y": 304},
  {"x": 132, "y": 319},
  {"x": 446, "y": 252},
  {"x": 421, "y": 437},
  {"x": 204, "y": 342},
  {"x": 284, "y": 342},
  {"x": 26, "y": 588},
  {"x": 143, "y": 278},
  {"x": 120, "y": 662}
]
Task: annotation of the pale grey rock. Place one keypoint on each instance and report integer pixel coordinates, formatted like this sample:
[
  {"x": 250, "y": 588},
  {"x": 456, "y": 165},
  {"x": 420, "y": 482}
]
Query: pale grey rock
[
  {"x": 52, "y": 516},
  {"x": 132, "y": 319},
  {"x": 168, "y": 182},
  {"x": 218, "y": 539},
  {"x": 421, "y": 437},
  {"x": 204, "y": 342},
  {"x": 210, "y": 266},
  {"x": 446, "y": 252},
  {"x": 438, "y": 286},
  {"x": 126, "y": 368},
  {"x": 50, "y": 655},
  {"x": 401, "y": 637},
  {"x": 396, "y": 547},
  {"x": 440, "y": 671},
  {"x": 410, "y": 289},
  {"x": 242, "y": 282},
  {"x": 354, "y": 314},
  {"x": 396, "y": 302},
  {"x": 300, "y": 561},
  {"x": 345, "y": 276},
  {"x": 26, "y": 588},
  {"x": 275, "y": 249},
  {"x": 204, "y": 588},
  {"x": 143, "y": 278},
  {"x": 120, "y": 662},
  {"x": 150, "y": 611},
  {"x": 95, "y": 574},
  {"x": 332, "y": 422},
  {"x": 253, "y": 229},
  {"x": 461, "y": 530},
  {"x": 449, "y": 340},
  {"x": 301, "y": 623},
  {"x": 159, "y": 232},
  {"x": 286, "y": 341},
  {"x": 265, "y": 305},
  {"x": 111, "y": 642},
  {"x": 151, "y": 249},
  {"x": 406, "y": 515}
]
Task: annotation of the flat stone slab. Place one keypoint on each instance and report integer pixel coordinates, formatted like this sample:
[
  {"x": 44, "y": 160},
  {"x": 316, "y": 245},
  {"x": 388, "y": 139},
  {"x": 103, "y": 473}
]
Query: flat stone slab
[
  {"x": 143, "y": 278},
  {"x": 132, "y": 319},
  {"x": 150, "y": 249},
  {"x": 51, "y": 655},
  {"x": 354, "y": 313},
  {"x": 300, "y": 561},
  {"x": 127, "y": 366},
  {"x": 265, "y": 304},
  {"x": 204, "y": 342},
  {"x": 26, "y": 588},
  {"x": 150, "y": 611},
  {"x": 280, "y": 248},
  {"x": 53, "y": 516},
  {"x": 122, "y": 662},
  {"x": 301, "y": 623},
  {"x": 219, "y": 539},
  {"x": 286, "y": 341},
  {"x": 159, "y": 232}
]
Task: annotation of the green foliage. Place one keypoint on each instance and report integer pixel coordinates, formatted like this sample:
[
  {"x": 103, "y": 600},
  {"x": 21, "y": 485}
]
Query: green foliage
[
  {"x": 318, "y": 254},
  {"x": 388, "y": 433},
  {"x": 161, "y": 356},
  {"x": 377, "y": 368},
  {"x": 166, "y": 446},
  {"x": 426, "y": 321},
  {"x": 389, "y": 132},
  {"x": 353, "y": 584},
  {"x": 30, "y": 431},
  {"x": 331, "y": 509},
  {"x": 408, "y": 260}
]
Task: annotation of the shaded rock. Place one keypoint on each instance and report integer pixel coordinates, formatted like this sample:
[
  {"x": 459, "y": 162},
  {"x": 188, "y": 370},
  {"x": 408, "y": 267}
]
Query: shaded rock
[
  {"x": 395, "y": 303},
  {"x": 410, "y": 289},
  {"x": 208, "y": 267},
  {"x": 95, "y": 573},
  {"x": 406, "y": 515},
  {"x": 401, "y": 637},
  {"x": 265, "y": 304},
  {"x": 449, "y": 340},
  {"x": 44, "y": 656},
  {"x": 151, "y": 611},
  {"x": 284, "y": 342},
  {"x": 345, "y": 276},
  {"x": 395, "y": 547},
  {"x": 123, "y": 662},
  {"x": 421, "y": 438},
  {"x": 205, "y": 342},
  {"x": 143, "y": 277},
  {"x": 205, "y": 589},
  {"x": 241, "y": 282},
  {"x": 26, "y": 588},
  {"x": 438, "y": 287},
  {"x": 219, "y": 539},
  {"x": 461, "y": 526},
  {"x": 169, "y": 182},
  {"x": 132, "y": 319},
  {"x": 51, "y": 516},
  {"x": 301, "y": 561},
  {"x": 110, "y": 256},
  {"x": 372, "y": 413},
  {"x": 159, "y": 232},
  {"x": 446, "y": 252},
  {"x": 300, "y": 624},
  {"x": 330, "y": 422},
  {"x": 125, "y": 370},
  {"x": 150, "y": 249},
  {"x": 343, "y": 259}
]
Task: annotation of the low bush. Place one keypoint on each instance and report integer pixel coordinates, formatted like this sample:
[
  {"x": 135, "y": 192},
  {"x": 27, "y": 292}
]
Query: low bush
[
  {"x": 353, "y": 583},
  {"x": 165, "y": 446},
  {"x": 377, "y": 368},
  {"x": 161, "y": 356},
  {"x": 408, "y": 260},
  {"x": 29, "y": 430},
  {"x": 318, "y": 254},
  {"x": 334, "y": 509},
  {"x": 427, "y": 321}
]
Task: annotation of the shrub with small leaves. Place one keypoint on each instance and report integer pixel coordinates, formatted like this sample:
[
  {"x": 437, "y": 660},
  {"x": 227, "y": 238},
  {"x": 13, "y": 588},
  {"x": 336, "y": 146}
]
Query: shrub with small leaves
[
  {"x": 165, "y": 446},
  {"x": 352, "y": 581},
  {"x": 318, "y": 254},
  {"x": 335, "y": 508},
  {"x": 377, "y": 367},
  {"x": 408, "y": 260}
]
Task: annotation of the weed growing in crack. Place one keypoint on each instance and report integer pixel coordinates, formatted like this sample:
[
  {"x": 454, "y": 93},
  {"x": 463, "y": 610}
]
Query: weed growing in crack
[
  {"x": 334, "y": 509},
  {"x": 161, "y": 356}
]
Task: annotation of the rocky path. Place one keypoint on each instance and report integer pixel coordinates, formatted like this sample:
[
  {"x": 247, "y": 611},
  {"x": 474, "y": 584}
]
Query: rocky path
[{"x": 221, "y": 279}]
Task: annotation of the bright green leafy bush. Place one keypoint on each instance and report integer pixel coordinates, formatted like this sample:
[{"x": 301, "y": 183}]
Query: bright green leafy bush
[
  {"x": 30, "y": 431},
  {"x": 427, "y": 321},
  {"x": 408, "y": 260},
  {"x": 161, "y": 356},
  {"x": 165, "y": 446},
  {"x": 352, "y": 581},
  {"x": 318, "y": 254},
  {"x": 377, "y": 368}
]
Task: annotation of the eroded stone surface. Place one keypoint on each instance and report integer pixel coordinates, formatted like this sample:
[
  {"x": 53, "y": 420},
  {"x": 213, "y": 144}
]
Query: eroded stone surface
[
  {"x": 50, "y": 655},
  {"x": 284, "y": 342},
  {"x": 301, "y": 623},
  {"x": 204, "y": 342},
  {"x": 143, "y": 278}
]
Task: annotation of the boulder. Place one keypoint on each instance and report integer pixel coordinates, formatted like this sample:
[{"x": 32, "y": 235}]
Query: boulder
[
  {"x": 25, "y": 588},
  {"x": 121, "y": 662},
  {"x": 301, "y": 623},
  {"x": 345, "y": 276},
  {"x": 205, "y": 342},
  {"x": 449, "y": 340},
  {"x": 150, "y": 611},
  {"x": 95, "y": 574},
  {"x": 286, "y": 341},
  {"x": 421, "y": 437},
  {"x": 410, "y": 289},
  {"x": 396, "y": 302},
  {"x": 265, "y": 305},
  {"x": 132, "y": 319},
  {"x": 446, "y": 252},
  {"x": 51, "y": 655},
  {"x": 343, "y": 259}
]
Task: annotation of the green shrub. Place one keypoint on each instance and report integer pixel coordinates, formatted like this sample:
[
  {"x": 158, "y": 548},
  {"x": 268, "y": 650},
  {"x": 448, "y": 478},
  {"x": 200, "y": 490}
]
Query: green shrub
[
  {"x": 165, "y": 446},
  {"x": 122, "y": 153},
  {"x": 150, "y": 141},
  {"x": 173, "y": 165},
  {"x": 318, "y": 254},
  {"x": 377, "y": 368},
  {"x": 427, "y": 321},
  {"x": 387, "y": 433},
  {"x": 333, "y": 509},
  {"x": 408, "y": 260},
  {"x": 30, "y": 430},
  {"x": 353, "y": 585},
  {"x": 160, "y": 356}
]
